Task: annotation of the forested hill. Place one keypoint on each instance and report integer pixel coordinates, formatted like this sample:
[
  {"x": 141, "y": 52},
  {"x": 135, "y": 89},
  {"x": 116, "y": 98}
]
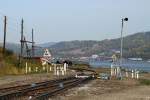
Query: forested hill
[{"x": 136, "y": 45}]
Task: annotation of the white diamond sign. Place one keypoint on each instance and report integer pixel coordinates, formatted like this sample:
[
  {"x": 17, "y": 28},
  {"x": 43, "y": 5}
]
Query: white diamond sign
[{"x": 47, "y": 55}]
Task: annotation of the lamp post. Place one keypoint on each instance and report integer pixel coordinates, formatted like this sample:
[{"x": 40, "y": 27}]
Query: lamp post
[{"x": 121, "y": 47}]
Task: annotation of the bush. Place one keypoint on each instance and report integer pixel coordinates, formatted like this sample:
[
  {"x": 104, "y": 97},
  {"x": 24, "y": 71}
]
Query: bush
[
  {"x": 145, "y": 82},
  {"x": 9, "y": 52}
]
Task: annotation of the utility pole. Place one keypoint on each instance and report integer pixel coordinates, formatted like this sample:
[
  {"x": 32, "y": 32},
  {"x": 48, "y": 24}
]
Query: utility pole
[
  {"x": 32, "y": 43},
  {"x": 121, "y": 38},
  {"x": 4, "y": 43},
  {"x": 21, "y": 41}
]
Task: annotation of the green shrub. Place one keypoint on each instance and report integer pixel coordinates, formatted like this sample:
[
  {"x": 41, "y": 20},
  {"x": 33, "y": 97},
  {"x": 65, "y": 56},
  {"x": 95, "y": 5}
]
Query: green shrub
[{"x": 145, "y": 82}]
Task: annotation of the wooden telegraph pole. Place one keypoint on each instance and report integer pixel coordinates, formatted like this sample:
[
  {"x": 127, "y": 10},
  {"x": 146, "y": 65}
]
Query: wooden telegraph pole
[
  {"x": 22, "y": 37},
  {"x": 21, "y": 41},
  {"x": 4, "y": 42},
  {"x": 32, "y": 43}
]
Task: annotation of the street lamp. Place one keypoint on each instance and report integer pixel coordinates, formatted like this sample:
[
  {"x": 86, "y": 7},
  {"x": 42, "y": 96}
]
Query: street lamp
[{"x": 121, "y": 47}]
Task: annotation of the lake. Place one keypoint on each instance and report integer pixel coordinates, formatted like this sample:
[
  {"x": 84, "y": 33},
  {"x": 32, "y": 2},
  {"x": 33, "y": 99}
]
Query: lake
[{"x": 139, "y": 65}]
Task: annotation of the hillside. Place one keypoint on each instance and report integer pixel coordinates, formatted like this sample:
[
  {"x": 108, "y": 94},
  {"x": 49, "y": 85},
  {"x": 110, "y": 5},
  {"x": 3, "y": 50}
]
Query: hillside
[
  {"x": 136, "y": 45},
  {"x": 46, "y": 44},
  {"x": 13, "y": 47}
]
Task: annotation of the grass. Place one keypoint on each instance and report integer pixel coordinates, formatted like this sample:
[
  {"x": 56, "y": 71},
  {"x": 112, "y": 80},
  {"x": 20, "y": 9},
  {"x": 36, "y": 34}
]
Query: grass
[
  {"x": 144, "y": 81},
  {"x": 9, "y": 70},
  {"x": 9, "y": 64},
  {"x": 81, "y": 67},
  {"x": 12, "y": 68}
]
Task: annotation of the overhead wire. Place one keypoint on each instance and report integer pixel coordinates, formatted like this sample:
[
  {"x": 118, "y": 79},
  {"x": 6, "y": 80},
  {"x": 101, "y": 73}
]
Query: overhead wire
[
  {"x": 10, "y": 20},
  {"x": 14, "y": 27}
]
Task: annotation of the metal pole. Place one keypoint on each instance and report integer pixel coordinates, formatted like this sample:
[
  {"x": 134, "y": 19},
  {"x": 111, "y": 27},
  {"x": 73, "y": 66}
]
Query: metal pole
[
  {"x": 121, "y": 51},
  {"x": 121, "y": 47},
  {"x": 4, "y": 43}
]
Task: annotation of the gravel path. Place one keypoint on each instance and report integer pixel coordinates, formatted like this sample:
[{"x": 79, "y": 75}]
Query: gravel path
[
  {"x": 7, "y": 81},
  {"x": 107, "y": 90}
]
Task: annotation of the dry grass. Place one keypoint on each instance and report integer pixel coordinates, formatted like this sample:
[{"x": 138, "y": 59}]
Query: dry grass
[{"x": 10, "y": 70}]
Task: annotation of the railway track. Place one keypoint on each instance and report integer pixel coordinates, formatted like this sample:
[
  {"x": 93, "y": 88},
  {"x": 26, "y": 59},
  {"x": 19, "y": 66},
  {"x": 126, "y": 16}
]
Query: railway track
[
  {"x": 20, "y": 87},
  {"x": 57, "y": 90},
  {"x": 40, "y": 91}
]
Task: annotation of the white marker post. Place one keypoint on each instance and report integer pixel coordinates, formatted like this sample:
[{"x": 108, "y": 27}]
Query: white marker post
[
  {"x": 57, "y": 73},
  {"x": 76, "y": 76},
  {"x": 115, "y": 69},
  {"x": 55, "y": 69},
  {"x": 26, "y": 67},
  {"x": 132, "y": 73},
  {"x": 62, "y": 70},
  {"x": 36, "y": 69},
  {"x": 50, "y": 68},
  {"x": 43, "y": 68},
  {"x": 137, "y": 74},
  {"x": 127, "y": 75},
  {"x": 118, "y": 71},
  {"x": 65, "y": 68},
  {"x": 47, "y": 67},
  {"x": 112, "y": 70},
  {"x": 29, "y": 69}
]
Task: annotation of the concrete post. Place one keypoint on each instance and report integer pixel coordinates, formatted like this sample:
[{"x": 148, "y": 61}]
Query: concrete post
[
  {"x": 127, "y": 75},
  {"x": 55, "y": 69},
  {"x": 115, "y": 69},
  {"x": 112, "y": 70},
  {"x": 57, "y": 73},
  {"x": 137, "y": 75},
  {"x": 118, "y": 71},
  {"x": 43, "y": 68},
  {"x": 65, "y": 68},
  {"x": 76, "y": 76},
  {"x": 50, "y": 68},
  {"x": 29, "y": 69},
  {"x": 26, "y": 67},
  {"x": 36, "y": 69},
  {"x": 47, "y": 67},
  {"x": 132, "y": 73},
  {"x": 63, "y": 72}
]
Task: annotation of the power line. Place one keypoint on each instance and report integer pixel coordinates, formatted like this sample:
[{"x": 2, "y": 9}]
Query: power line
[
  {"x": 2, "y": 14},
  {"x": 14, "y": 27}
]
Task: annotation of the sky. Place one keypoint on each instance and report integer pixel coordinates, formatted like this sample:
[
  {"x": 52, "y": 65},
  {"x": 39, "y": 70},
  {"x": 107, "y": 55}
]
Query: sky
[{"x": 65, "y": 20}]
